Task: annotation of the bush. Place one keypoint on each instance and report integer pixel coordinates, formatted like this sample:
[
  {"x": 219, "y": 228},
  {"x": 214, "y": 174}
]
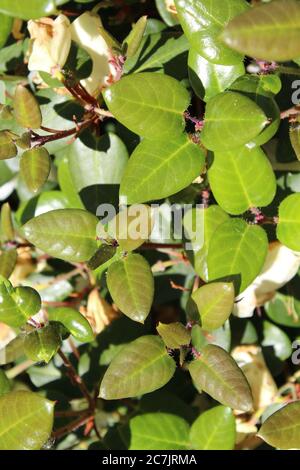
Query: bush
[{"x": 150, "y": 224}]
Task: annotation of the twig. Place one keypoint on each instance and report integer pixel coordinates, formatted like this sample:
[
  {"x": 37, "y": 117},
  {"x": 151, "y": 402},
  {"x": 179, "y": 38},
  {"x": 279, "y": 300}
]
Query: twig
[{"x": 17, "y": 370}]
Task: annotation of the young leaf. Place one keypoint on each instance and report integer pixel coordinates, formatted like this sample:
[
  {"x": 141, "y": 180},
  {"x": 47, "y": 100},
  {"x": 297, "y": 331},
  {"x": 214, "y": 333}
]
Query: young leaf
[
  {"x": 174, "y": 335},
  {"x": 232, "y": 180},
  {"x": 228, "y": 111},
  {"x": 43, "y": 343},
  {"x": 35, "y": 167},
  {"x": 160, "y": 431},
  {"x": 8, "y": 149},
  {"x": 30, "y": 9},
  {"x": 131, "y": 285},
  {"x": 8, "y": 261},
  {"x": 140, "y": 367},
  {"x": 27, "y": 110},
  {"x": 289, "y": 222},
  {"x": 215, "y": 304},
  {"x": 209, "y": 79},
  {"x": 217, "y": 374},
  {"x": 214, "y": 430},
  {"x": 68, "y": 234},
  {"x": 149, "y": 104},
  {"x": 7, "y": 228},
  {"x": 17, "y": 305},
  {"x": 73, "y": 321},
  {"x": 269, "y": 31},
  {"x": 237, "y": 252},
  {"x": 282, "y": 428},
  {"x": 160, "y": 168},
  {"x": 133, "y": 40},
  {"x": 26, "y": 421},
  {"x": 203, "y": 21}
]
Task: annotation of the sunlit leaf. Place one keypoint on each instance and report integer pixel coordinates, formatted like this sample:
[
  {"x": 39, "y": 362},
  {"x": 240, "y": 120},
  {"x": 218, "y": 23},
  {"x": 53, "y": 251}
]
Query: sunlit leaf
[
  {"x": 26, "y": 108},
  {"x": 8, "y": 259},
  {"x": 214, "y": 430},
  {"x": 18, "y": 304},
  {"x": 73, "y": 321},
  {"x": 42, "y": 344},
  {"x": 174, "y": 335},
  {"x": 289, "y": 222},
  {"x": 35, "y": 168}
]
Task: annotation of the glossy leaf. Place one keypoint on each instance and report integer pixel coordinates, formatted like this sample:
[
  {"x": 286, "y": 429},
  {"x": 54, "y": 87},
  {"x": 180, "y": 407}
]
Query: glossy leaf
[
  {"x": 159, "y": 431},
  {"x": 282, "y": 429},
  {"x": 140, "y": 367},
  {"x": 148, "y": 104},
  {"x": 277, "y": 339},
  {"x": 18, "y": 304},
  {"x": 8, "y": 148},
  {"x": 289, "y": 222},
  {"x": 237, "y": 252},
  {"x": 12, "y": 351},
  {"x": 30, "y": 9},
  {"x": 216, "y": 373},
  {"x": 35, "y": 167},
  {"x": 68, "y": 234},
  {"x": 214, "y": 430},
  {"x": 73, "y": 321},
  {"x": 268, "y": 31},
  {"x": 209, "y": 79},
  {"x": 26, "y": 421},
  {"x": 8, "y": 259},
  {"x": 231, "y": 120},
  {"x": 215, "y": 304},
  {"x": 174, "y": 335},
  {"x": 42, "y": 344},
  {"x": 232, "y": 180},
  {"x": 158, "y": 169},
  {"x": 284, "y": 310},
  {"x": 130, "y": 283},
  {"x": 169, "y": 18},
  {"x": 203, "y": 22},
  {"x": 208, "y": 220},
  {"x": 6, "y": 23},
  {"x": 26, "y": 108}
]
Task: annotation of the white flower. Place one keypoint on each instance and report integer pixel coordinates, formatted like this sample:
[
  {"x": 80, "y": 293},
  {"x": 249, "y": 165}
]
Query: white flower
[
  {"x": 88, "y": 32},
  {"x": 281, "y": 266},
  {"x": 51, "y": 44}
]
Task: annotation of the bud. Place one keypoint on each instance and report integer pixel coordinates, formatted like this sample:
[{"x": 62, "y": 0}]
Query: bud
[
  {"x": 88, "y": 32},
  {"x": 51, "y": 43}
]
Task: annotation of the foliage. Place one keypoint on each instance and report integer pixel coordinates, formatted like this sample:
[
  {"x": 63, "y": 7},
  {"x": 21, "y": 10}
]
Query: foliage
[{"x": 149, "y": 226}]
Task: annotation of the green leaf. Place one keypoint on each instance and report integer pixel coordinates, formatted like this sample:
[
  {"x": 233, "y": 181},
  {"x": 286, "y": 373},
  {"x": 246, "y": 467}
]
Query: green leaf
[
  {"x": 133, "y": 40},
  {"x": 268, "y": 31},
  {"x": 142, "y": 366},
  {"x": 104, "y": 160},
  {"x": 26, "y": 421},
  {"x": 203, "y": 22},
  {"x": 68, "y": 234},
  {"x": 12, "y": 351},
  {"x": 104, "y": 254},
  {"x": 42, "y": 344},
  {"x": 131, "y": 285},
  {"x": 148, "y": 104},
  {"x": 282, "y": 428},
  {"x": 17, "y": 305},
  {"x": 159, "y": 431},
  {"x": 216, "y": 373},
  {"x": 31, "y": 9},
  {"x": 209, "y": 79},
  {"x": 231, "y": 178},
  {"x": 215, "y": 304},
  {"x": 160, "y": 168},
  {"x": 7, "y": 228},
  {"x": 174, "y": 335},
  {"x": 237, "y": 252},
  {"x": 8, "y": 259},
  {"x": 26, "y": 108},
  {"x": 288, "y": 228},
  {"x": 284, "y": 310},
  {"x": 8, "y": 149},
  {"x": 275, "y": 337},
  {"x": 214, "y": 430},
  {"x": 169, "y": 18},
  {"x": 295, "y": 138},
  {"x": 67, "y": 185},
  {"x": 207, "y": 220},
  {"x": 35, "y": 167},
  {"x": 231, "y": 120},
  {"x": 5, "y": 385},
  {"x": 73, "y": 321},
  {"x": 6, "y": 23}
]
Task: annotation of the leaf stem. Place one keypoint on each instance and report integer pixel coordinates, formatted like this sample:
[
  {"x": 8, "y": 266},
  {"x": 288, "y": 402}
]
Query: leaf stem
[{"x": 288, "y": 70}]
